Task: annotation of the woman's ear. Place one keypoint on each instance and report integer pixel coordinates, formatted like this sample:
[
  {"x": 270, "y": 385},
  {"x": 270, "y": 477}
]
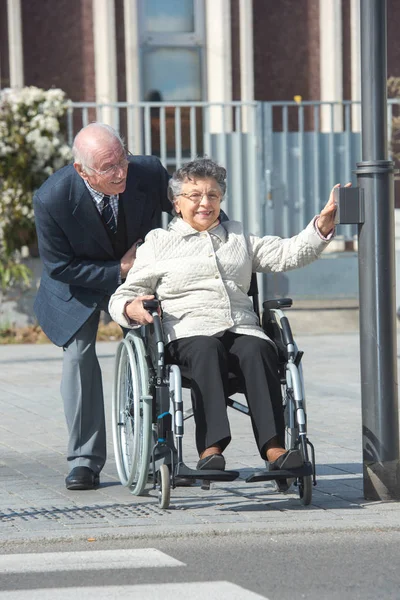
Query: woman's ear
[{"x": 176, "y": 206}]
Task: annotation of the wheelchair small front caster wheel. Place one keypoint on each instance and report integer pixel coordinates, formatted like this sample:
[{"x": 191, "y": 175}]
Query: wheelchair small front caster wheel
[
  {"x": 305, "y": 489},
  {"x": 164, "y": 494}
]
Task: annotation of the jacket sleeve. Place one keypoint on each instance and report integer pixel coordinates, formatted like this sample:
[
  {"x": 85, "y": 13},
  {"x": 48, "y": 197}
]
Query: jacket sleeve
[
  {"x": 166, "y": 205},
  {"x": 272, "y": 254},
  {"x": 60, "y": 261},
  {"x": 158, "y": 178},
  {"x": 141, "y": 281}
]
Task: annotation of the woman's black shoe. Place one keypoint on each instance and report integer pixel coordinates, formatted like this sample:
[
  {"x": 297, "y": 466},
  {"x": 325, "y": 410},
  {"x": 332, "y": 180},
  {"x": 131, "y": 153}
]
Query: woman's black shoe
[
  {"x": 290, "y": 460},
  {"x": 214, "y": 461}
]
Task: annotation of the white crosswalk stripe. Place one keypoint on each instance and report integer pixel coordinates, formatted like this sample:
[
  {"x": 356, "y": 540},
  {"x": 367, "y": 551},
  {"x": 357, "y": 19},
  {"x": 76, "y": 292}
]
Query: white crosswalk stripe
[
  {"x": 97, "y": 560},
  {"x": 81, "y": 561},
  {"x": 213, "y": 590}
]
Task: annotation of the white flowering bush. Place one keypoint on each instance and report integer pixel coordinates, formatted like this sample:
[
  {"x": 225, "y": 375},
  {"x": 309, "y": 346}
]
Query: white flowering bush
[{"x": 32, "y": 147}]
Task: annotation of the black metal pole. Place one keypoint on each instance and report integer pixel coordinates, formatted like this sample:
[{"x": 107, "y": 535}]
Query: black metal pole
[{"x": 378, "y": 344}]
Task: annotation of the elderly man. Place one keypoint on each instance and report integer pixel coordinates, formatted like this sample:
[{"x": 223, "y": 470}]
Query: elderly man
[{"x": 89, "y": 218}]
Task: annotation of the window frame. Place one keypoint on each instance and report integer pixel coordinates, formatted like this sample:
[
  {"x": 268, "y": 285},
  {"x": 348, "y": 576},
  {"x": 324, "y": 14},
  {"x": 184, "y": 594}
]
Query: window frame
[{"x": 192, "y": 40}]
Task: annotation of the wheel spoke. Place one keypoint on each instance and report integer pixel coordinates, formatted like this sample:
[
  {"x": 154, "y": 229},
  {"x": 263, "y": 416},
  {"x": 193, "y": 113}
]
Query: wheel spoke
[{"x": 132, "y": 414}]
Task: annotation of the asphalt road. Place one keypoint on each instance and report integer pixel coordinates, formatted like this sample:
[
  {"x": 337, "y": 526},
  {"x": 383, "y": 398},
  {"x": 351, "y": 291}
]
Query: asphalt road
[{"x": 329, "y": 566}]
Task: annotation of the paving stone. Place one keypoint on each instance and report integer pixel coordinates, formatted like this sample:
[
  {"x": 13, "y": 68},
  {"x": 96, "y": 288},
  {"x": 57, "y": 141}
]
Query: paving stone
[{"x": 34, "y": 503}]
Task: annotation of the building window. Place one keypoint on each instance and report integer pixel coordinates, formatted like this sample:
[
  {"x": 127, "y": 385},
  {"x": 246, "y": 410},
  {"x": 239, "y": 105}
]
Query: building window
[
  {"x": 172, "y": 49},
  {"x": 174, "y": 72},
  {"x": 173, "y": 16}
]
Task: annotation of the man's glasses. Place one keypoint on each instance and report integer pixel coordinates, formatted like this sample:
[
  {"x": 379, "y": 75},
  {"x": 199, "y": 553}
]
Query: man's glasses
[
  {"x": 122, "y": 164},
  {"x": 196, "y": 197}
]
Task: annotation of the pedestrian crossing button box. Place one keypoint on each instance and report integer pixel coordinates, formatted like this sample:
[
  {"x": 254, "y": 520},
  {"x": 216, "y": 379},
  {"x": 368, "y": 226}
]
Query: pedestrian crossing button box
[{"x": 349, "y": 205}]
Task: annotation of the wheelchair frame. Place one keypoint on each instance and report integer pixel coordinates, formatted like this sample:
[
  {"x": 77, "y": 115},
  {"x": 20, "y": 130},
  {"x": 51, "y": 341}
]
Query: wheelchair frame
[{"x": 148, "y": 417}]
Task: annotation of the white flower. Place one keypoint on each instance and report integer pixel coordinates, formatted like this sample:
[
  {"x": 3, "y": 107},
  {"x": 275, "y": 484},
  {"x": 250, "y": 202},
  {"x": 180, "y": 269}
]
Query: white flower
[{"x": 30, "y": 131}]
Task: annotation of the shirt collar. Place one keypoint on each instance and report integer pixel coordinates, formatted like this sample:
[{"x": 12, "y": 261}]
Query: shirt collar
[{"x": 98, "y": 196}]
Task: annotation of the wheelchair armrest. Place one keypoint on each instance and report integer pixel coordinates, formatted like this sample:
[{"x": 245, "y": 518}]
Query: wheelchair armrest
[
  {"x": 156, "y": 326},
  {"x": 277, "y": 303}
]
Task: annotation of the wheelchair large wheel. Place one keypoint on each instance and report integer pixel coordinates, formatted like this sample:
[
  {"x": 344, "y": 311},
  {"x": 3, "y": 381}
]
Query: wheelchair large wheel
[
  {"x": 294, "y": 381},
  {"x": 291, "y": 427},
  {"x": 132, "y": 414}
]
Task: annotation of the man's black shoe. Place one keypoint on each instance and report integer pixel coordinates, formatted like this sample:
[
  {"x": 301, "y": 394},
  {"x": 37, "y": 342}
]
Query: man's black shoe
[{"x": 82, "y": 478}]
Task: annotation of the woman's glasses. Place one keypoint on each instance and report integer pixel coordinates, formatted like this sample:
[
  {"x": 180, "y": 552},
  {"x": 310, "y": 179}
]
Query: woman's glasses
[{"x": 197, "y": 197}]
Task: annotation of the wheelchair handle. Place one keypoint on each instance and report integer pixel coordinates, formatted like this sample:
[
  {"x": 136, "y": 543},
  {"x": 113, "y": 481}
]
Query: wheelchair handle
[{"x": 151, "y": 304}]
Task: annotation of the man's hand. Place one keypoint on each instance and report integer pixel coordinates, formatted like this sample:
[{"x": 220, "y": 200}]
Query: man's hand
[
  {"x": 128, "y": 259},
  {"x": 326, "y": 219},
  {"x": 136, "y": 312}
]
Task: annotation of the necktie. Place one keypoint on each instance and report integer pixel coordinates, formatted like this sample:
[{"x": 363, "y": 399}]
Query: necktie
[{"x": 108, "y": 215}]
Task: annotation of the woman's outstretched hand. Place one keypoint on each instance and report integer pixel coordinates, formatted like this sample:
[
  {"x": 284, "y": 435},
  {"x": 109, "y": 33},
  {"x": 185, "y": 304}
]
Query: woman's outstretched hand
[{"x": 326, "y": 219}]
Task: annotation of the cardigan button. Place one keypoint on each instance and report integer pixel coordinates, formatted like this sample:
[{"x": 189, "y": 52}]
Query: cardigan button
[{"x": 217, "y": 277}]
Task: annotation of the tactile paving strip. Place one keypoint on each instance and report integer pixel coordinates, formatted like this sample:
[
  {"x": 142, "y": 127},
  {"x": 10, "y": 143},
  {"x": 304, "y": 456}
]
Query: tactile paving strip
[{"x": 81, "y": 513}]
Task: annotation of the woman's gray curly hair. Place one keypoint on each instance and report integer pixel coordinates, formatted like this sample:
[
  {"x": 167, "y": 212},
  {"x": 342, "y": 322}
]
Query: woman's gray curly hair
[{"x": 200, "y": 168}]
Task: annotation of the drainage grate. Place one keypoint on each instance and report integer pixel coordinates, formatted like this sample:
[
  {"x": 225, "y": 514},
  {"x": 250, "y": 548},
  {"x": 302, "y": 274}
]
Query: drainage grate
[{"x": 81, "y": 513}]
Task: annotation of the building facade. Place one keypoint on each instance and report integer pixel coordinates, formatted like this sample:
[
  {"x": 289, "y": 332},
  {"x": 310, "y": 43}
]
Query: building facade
[
  {"x": 177, "y": 50},
  {"x": 214, "y": 51}
]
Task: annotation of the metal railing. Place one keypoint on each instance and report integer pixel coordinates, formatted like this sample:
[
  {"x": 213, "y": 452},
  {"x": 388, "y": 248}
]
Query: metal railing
[
  {"x": 282, "y": 158},
  {"x": 180, "y": 132}
]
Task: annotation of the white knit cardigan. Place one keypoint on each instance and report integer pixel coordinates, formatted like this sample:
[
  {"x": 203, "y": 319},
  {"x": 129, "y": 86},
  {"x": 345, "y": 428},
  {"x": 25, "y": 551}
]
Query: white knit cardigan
[{"x": 202, "y": 278}]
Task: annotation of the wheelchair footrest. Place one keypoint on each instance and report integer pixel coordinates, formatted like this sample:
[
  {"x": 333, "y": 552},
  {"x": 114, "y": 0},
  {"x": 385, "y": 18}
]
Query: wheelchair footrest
[
  {"x": 211, "y": 475},
  {"x": 267, "y": 475}
]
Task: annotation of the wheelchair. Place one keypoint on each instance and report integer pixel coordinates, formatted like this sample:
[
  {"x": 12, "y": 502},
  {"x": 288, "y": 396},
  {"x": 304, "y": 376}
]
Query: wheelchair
[{"x": 148, "y": 416}]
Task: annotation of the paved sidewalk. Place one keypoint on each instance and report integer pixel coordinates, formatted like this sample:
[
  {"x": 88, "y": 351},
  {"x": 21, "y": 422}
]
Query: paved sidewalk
[{"x": 34, "y": 503}]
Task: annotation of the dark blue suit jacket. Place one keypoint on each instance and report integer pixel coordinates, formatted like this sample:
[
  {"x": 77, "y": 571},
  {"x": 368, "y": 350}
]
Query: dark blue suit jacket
[{"x": 79, "y": 266}]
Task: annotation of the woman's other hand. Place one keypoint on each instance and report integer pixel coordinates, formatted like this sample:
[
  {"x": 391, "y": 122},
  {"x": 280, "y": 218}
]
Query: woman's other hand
[
  {"x": 136, "y": 313},
  {"x": 326, "y": 219}
]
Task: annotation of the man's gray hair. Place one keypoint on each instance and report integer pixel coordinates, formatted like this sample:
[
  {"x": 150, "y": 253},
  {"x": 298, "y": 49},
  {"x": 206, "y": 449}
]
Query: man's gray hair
[
  {"x": 82, "y": 152},
  {"x": 200, "y": 168}
]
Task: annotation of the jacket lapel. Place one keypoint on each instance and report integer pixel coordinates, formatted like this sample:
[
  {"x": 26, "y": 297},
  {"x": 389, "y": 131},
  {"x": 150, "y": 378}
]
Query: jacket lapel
[
  {"x": 88, "y": 216},
  {"x": 133, "y": 199}
]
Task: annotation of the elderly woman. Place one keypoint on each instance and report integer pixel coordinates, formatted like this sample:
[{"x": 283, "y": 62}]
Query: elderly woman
[{"x": 200, "y": 270}]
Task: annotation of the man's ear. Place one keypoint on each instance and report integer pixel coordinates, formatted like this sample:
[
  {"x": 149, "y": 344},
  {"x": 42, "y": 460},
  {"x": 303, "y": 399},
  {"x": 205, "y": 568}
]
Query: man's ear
[{"x": 80, "y": 170}]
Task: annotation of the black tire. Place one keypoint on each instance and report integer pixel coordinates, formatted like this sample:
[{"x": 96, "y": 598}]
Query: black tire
[{"x": 305, "y": 489}]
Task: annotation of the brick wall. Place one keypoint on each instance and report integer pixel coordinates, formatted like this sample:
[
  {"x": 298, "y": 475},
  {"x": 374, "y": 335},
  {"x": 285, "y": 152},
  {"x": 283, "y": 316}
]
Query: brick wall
[
  {"x": 235, "y": 49},
  {"x": 286, "y": 53},
  {"x": 346, "y": 34},
  {"x": 4, "y": 63},
  {"x": 121, "y": 79},
  {"x": 286, "y": 47},
  {"x": 58, "y": 46}
]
